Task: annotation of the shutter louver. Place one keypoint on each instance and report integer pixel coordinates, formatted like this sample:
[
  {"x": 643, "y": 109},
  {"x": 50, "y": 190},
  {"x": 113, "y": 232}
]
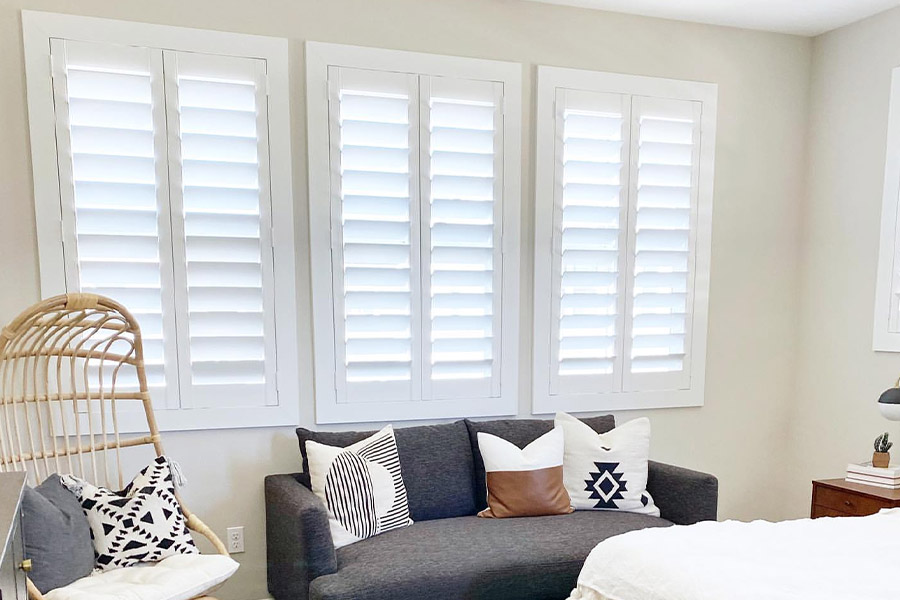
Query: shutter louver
[
  {"x": 666, "y": 141},
  {"x": 221, "y": 229},
  {"x": 590, "y": 199},
  {"x": 112, "y": 179},
  {"x": 374, "y": 127},
  {"x": 461, "y": 188}
]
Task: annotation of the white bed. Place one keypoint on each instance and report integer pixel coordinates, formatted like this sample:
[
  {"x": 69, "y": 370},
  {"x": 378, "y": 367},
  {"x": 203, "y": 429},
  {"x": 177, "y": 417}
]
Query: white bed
[{"x": 848, "y": 558}]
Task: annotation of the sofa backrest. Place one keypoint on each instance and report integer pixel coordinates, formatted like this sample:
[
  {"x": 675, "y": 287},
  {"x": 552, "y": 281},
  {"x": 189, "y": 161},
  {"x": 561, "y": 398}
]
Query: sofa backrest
[
  {"x": 520, "y": 432},
  {"x": 436, "y": 462},
  {"x": 442, "y": 467}
]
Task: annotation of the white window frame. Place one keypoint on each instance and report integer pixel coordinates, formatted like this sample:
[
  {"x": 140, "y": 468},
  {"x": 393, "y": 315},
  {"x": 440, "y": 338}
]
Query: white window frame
[
  {"x": 38, "y": 30},
  {"x": 549, "y": 79},
  {"x": 319, "y": 56},
  {"x": 886, "y": 325}
]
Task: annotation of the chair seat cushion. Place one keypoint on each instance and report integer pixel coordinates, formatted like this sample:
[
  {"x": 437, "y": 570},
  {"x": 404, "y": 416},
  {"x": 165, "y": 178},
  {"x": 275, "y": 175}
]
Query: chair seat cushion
[
  {"x": 178, "y": 577},
  {"x": 468, "y": 558}
]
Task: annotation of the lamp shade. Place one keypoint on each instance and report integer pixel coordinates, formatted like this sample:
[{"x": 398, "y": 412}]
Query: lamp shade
[{"x": 889, "y": 404}]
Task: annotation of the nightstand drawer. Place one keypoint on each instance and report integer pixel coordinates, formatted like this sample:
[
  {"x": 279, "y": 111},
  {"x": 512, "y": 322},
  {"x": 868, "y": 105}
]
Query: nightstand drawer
[
  {"x": 824, "y": 511},
  {"x": 848, "y": 503}
]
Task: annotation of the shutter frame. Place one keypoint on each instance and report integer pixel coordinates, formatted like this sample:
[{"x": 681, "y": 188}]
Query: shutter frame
[
  {"x": 674, "y": 379},
  {"x": 460, "y": 91},
  {"x": 635, "y": 391},
  {"x": 347, "y": 391},
  {"x": 223, "y": 386},
  {"x": 39, "y": 30},
  {"x": 91, "y": 57},
  {"x": 319, "y": 58},
  {"x": 587, "y": 101}
]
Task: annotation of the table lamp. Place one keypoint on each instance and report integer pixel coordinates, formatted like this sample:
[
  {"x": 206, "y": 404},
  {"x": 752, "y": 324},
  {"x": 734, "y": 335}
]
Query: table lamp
[{"x": 889, "y": 403}]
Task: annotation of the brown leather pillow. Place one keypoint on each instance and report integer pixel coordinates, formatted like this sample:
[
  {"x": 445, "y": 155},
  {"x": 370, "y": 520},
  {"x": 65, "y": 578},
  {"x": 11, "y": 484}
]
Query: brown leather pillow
[{"x": 526, "y": 482}]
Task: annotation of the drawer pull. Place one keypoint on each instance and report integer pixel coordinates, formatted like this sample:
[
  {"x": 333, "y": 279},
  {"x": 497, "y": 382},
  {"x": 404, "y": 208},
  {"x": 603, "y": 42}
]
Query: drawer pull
[
  {"x": 26, "y": 565},
  {"x": 848, "y": 503}
]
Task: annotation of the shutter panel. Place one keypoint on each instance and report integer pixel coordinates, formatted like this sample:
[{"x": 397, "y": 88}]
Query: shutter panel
[
  {"x": 375, "y": 229},
  {"x": 112, "y": 167},
  {"x": 590, "y": 209},
  {"x": 218, "y": 146},
  {"x": 462, "y": 183},
  {"x": 664, "y": 187}
]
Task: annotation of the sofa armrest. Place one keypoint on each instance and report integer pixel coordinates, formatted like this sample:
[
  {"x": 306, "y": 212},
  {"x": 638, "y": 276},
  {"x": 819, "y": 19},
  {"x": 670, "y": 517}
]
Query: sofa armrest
[
  {"x": 682, "y": 495},
  {"x": 298, "y": 539}
]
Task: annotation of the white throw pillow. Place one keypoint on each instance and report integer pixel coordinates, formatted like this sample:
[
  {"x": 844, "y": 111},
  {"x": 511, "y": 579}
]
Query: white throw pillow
[
  {"x": 607, "y": 471},
  {"x": 361, "y": 485},
  {"x": 142, "y": 523},
  {"x": 526, "y": 482}
]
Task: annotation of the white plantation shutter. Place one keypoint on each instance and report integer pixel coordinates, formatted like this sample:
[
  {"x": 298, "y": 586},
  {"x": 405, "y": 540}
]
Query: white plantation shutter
[
  {"x": 622, "y": 240},
  {"x": 589, "y": 240},
  {"x": 665, "y": 139},
  {"x": 462, "y": 211},
  {"x": 217, "y": 126},
  {"x": 410, "y": 191},
  {"x": 886, "y": 322},
  {"x": 169, "y": 171},
  {"x": 375, "y": 210},
  {"x": 417, "y": 212},
  {"x": 113, "y": 187}
]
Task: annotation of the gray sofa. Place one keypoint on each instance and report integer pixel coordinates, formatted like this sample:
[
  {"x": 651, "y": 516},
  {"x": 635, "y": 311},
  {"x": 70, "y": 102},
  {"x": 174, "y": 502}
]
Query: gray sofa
[{"x": 449, "y": 553}]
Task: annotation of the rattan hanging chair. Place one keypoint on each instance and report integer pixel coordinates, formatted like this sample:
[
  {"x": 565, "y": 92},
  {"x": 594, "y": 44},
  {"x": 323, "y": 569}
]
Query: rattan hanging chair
[{"x": 69, "y": 366}]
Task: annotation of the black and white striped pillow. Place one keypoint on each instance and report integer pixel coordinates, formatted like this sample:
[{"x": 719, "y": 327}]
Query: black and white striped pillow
[{"x": 361, "y": 485}]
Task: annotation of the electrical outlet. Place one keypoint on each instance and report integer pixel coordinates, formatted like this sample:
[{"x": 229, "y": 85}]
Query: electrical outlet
[{"x": 235, "y": 539}]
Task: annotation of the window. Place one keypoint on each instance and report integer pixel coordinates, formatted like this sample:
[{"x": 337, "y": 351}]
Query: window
[
  {"x": 414, "y": 192},
  {"x": 886, "y": 336},
  {"x": 624, "y": 205},
  {"x": 161, "y": 161}
]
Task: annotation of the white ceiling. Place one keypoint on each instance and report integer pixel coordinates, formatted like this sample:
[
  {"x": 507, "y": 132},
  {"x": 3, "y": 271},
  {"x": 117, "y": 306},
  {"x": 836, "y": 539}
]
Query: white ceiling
[{"x": 803, "y": 17}]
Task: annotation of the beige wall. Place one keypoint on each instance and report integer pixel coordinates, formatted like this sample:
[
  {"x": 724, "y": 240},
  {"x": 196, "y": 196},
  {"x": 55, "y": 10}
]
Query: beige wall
[
  {"x": 839, "y": 377},
  {"x": 741, "y": 433}
]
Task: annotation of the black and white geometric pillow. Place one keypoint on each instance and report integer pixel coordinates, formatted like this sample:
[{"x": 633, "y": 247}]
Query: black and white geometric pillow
[
  {"x": 142, "y": 523},
  {"x": 607, "y": 471},
  {"x": 361, "y": 485}
]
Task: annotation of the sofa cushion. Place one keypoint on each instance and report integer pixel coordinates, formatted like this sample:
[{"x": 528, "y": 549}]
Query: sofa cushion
[
  {"x": 520, "y": 432},
  {"x": 436, "y": 462},
  {"x": 468, "y": 558}
]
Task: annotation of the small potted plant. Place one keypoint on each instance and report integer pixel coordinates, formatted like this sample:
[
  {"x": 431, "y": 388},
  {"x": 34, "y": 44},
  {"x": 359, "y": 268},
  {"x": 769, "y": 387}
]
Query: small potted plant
[{"x": 882, "y": 456}]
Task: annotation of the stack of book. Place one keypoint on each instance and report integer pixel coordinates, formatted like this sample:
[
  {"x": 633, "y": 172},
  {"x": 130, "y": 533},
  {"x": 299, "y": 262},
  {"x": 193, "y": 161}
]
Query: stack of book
[{"x": 866, "y": 474}]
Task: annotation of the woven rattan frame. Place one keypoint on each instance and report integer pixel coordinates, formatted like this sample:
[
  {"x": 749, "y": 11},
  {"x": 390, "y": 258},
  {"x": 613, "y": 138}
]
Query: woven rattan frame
[{"x": 67, "y": 364}]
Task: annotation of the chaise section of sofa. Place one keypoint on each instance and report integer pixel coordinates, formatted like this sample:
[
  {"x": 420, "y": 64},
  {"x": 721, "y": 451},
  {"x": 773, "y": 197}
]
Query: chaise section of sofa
[{"x": 448, "y": 553}]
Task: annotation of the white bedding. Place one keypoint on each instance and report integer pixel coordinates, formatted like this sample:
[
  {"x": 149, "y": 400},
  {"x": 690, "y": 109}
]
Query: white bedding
[{"x": 847, "y": 558}]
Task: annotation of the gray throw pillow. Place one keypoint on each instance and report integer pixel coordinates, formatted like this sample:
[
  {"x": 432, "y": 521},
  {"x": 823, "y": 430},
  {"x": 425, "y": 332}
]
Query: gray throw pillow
[{"x": 57, "y": 536}]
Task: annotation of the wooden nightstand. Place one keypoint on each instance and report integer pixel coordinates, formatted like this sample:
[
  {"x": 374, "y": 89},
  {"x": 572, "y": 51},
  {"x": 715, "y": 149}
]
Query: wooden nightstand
[{"x": 839, "y": 498}]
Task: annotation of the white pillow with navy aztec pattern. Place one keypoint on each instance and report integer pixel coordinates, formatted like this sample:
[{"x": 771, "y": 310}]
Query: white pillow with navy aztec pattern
[
  {"x": 142, "y": 523},
  {"x": 607, "y": 471},
  {"x": 361, "y": 485}
]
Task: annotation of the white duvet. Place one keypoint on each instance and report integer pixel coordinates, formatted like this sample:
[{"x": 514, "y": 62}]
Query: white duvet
[{"x": 847, "y": 558}]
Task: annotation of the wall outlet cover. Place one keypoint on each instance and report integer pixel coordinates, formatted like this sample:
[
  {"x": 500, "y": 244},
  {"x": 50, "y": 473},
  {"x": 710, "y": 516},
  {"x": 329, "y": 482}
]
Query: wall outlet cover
[{"x": 235, "y": 539}]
